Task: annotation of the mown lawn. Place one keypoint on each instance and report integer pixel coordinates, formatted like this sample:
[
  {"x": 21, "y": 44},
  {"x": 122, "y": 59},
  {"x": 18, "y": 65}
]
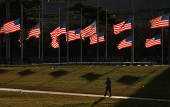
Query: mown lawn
[{"x": 135, "y": 81}]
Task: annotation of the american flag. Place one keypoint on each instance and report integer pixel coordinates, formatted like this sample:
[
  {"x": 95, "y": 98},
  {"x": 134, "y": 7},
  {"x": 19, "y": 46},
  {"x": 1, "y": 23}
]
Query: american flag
[
  {"x": 125, "y": 43},
  {"x": 73, "y": 35},
  {"x": 92, "y": 31},
  {"x": 161, "y": 21},
  {"x": 54, "y": 34},
  {"x": 125, "y": 25},
  {"x": 153, "y": 41},
  {"x": 55, "y": 43},
  {"x": 2, "y": 29},
  {"x": 87, "y": 31},
  {"x": 59, "y": 31},
  {"x": 55, "y": 39},
  {"x": 12, "y": 26},
  {"x": 35, "y": 31},
  {"x": 93, "y": 38}
]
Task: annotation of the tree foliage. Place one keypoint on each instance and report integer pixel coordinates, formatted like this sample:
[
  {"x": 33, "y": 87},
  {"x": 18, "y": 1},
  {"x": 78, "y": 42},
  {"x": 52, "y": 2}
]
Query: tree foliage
[{"x": 90, "y": 12}]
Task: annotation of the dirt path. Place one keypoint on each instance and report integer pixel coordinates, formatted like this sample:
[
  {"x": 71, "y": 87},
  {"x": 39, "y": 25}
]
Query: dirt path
[{"x": 79, "y": 94}]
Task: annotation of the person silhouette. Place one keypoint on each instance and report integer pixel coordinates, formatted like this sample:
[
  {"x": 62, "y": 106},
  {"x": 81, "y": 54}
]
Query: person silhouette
[{"x": 108, "y": 87}]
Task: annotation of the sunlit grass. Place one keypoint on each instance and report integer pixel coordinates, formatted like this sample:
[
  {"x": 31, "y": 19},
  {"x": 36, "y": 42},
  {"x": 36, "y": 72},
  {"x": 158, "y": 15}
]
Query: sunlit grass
[{"x": 126, "y": 80}]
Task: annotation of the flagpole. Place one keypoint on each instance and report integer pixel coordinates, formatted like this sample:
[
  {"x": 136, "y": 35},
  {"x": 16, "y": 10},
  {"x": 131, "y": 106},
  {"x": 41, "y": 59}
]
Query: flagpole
[
  {"x": 81, "y": 37},
  {"x": 21, "y": 32},
  {"x": 7, "y": 35},
  {"x": 59, "y": 40},
  {"x": 169, "y": 45},
  {"x": 0, "y": 46},
  {"x": 42, "y": 30},
  {"x": 67, "y": 32},
  {"x": 97, "y": 31},
  {"x": 162, "y": 43},
  {"x": 106, "y": 34},
  {"x": 39, "y": 36},
  {"x": 132, "y": 48}
]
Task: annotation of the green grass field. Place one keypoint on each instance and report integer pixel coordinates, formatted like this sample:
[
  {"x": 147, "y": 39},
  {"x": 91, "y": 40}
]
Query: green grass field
[{"x": 126, "y": 81}]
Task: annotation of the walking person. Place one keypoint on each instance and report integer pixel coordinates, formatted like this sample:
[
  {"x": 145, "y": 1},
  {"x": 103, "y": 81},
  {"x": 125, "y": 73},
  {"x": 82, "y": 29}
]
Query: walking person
[{"x": 108, "y": 87}]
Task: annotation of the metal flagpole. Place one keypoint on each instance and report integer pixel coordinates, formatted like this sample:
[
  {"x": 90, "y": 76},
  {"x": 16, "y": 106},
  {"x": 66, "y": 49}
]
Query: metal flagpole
[
  {"x": 7, "y": 36},
  {"x": 42, "y": 30},
  {"x": 106, "y": 34},
  {"x": 132, "y": 48},
  {"x": 21, "y": 32},
  {"x": 0, "y": 46},
  {"x": 132, "y": 53},
  {"x": 59, "y": 40},
  {"x": 169, "y": 45},
  {"x": 97, "y": 31},
  {"x": 67, "y": 31},
  {"x": 81, "y": 37},
  {"x": 162, "y": 43},
  {"x": 39, "y": 35}
]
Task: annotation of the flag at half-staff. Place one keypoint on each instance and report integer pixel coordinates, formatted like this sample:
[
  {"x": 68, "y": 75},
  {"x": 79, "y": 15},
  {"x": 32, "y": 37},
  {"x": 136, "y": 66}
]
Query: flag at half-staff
[
  {"x": 89, "y": 30},
  {"x": 92, "y": 31},
  {"x": 153, "y": 41},
  {"x": 125, "y": 25},
  {"x": 73, "y": 35},
  {"x": 12, "y": 26},
  {"x": 93, "y": 38},
  {"x": 59, "y": 31},
  {"x": 35, "y": 31},
  {"x": 161, "y": 21},
  {"x": 2, "y": 29},
  {"x": 56, "y": 33},
  {"x": 125, "y": 43}
]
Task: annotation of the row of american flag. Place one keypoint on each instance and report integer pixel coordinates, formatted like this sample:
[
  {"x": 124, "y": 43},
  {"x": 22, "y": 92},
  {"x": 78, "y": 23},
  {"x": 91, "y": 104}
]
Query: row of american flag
[
  {"x": 14, "y": 26},
  {"x": 89, "y": 32},
  {"x": 158, "y": 22}
]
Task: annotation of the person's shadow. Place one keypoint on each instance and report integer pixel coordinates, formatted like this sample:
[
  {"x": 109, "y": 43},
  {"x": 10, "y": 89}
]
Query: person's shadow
[{"x": 96, "y": 102}]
